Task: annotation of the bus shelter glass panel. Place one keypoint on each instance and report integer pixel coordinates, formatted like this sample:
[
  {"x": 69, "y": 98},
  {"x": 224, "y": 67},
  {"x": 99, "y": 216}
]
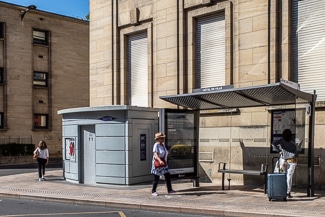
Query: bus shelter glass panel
[
  {"x": 296, "y": 118},
  {"x": 181, "y": 142}
]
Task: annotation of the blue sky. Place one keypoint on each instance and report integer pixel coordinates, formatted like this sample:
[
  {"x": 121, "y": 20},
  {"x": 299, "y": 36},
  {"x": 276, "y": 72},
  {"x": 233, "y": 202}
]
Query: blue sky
[{"x": 71, "y": 8}]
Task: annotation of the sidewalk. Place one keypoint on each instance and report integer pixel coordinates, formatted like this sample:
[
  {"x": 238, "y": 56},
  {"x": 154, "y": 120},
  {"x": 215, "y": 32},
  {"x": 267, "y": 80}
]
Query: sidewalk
[{"x": 207, "y": 199}]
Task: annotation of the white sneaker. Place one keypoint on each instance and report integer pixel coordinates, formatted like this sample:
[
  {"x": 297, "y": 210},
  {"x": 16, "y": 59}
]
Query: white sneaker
[
  {"x": 155, "y": 194},
  {"x": 39, "y": 179}
]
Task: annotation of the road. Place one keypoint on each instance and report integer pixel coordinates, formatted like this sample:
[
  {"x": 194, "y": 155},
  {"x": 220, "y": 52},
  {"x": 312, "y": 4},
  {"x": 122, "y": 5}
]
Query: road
[{"x": 13, "y": 207}]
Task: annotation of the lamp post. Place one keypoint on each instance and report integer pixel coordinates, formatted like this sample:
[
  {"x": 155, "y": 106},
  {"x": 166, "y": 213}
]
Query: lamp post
[{"x": 23, "y": 12}]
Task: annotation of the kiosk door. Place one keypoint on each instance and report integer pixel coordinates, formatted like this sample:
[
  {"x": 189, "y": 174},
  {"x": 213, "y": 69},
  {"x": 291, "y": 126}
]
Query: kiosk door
[{"x": 181, "y": 129}]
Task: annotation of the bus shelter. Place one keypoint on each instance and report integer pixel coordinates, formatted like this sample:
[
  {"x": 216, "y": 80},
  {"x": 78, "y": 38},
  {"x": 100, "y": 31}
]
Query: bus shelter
[{"x": 277, "y": 94}]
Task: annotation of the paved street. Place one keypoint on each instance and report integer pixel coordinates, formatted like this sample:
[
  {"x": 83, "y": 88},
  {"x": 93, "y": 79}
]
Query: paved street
[
  {"x": 28, "y": 207},
  {"x": 208, "y": 199}
]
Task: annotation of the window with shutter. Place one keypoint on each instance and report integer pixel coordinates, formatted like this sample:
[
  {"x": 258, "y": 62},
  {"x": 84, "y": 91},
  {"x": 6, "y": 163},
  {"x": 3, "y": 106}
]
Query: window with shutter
[
  {"x": 308, "y": 45},
  {"x": 210, "y": 51},
  {"x": 138, "y": 84}
]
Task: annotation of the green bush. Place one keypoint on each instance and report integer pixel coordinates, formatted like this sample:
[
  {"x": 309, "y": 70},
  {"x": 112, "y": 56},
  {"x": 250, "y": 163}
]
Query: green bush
[{"x": 14, "y": 149}]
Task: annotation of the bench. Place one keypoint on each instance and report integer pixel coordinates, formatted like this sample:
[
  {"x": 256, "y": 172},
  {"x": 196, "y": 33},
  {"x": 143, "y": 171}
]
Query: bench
[{"x": 262, "y": 172}]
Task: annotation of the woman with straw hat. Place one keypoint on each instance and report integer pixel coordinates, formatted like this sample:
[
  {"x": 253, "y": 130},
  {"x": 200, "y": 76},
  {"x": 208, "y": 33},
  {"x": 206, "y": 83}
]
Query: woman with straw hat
[{"x": 159, "y": 164}]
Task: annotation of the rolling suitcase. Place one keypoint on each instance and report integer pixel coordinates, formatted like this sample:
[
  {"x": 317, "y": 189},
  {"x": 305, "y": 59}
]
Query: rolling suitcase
[{"x": 277, "y": 186}]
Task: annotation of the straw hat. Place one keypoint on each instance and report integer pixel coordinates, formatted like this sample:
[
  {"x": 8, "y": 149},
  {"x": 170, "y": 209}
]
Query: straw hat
[{"x": 159, "y": 135}]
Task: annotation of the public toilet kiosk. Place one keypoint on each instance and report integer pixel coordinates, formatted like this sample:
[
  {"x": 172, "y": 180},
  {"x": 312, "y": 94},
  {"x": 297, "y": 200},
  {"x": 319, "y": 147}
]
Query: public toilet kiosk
[{"x": 108, "y": 144}]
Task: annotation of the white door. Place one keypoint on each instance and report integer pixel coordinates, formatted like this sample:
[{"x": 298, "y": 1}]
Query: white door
[{"x": 88, "y": 154}]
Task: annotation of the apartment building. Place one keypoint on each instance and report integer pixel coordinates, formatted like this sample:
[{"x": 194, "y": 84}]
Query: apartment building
[{"x": 44, "y": 67}]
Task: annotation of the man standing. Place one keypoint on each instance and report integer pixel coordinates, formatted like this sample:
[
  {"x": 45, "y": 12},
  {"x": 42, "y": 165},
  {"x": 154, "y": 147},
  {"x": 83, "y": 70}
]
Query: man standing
[{"x": 288, "y": 151}]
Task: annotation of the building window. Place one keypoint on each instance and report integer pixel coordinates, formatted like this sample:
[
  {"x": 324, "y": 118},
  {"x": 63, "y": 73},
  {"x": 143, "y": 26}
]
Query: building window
[
  {"x": 2, "y": 30},
  {"x": 40, "y": 37},
  {"x": 1, "y": 75},
  {"x": 40, "y": 121},
  {"x": 210, "y": 51},
  {"x": 138, "y": 74},
  {"x": 308, "y": 46},
  {"x": 40, "y": 79},
  {"x": 1, "y": 120}
]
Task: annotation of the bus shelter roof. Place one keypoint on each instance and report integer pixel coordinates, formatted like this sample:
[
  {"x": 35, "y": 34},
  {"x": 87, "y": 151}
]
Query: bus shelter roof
[{"x": 281, "y": 93}]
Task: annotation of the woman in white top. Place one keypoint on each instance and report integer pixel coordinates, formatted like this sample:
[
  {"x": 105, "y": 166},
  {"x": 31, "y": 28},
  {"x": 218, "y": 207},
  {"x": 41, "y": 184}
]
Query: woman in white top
[
  {"x": 160, "y": 154},
  {"x": 42, "y": 159}
]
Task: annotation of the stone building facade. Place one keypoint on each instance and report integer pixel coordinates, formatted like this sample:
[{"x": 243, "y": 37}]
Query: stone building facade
[
  {"x": 44, "y": 63},
  {"x": 143, "y": 49}
]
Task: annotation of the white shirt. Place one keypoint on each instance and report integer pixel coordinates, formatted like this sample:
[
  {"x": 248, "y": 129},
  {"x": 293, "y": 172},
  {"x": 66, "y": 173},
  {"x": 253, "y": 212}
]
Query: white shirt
[{"x": 42, "y": 153}]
